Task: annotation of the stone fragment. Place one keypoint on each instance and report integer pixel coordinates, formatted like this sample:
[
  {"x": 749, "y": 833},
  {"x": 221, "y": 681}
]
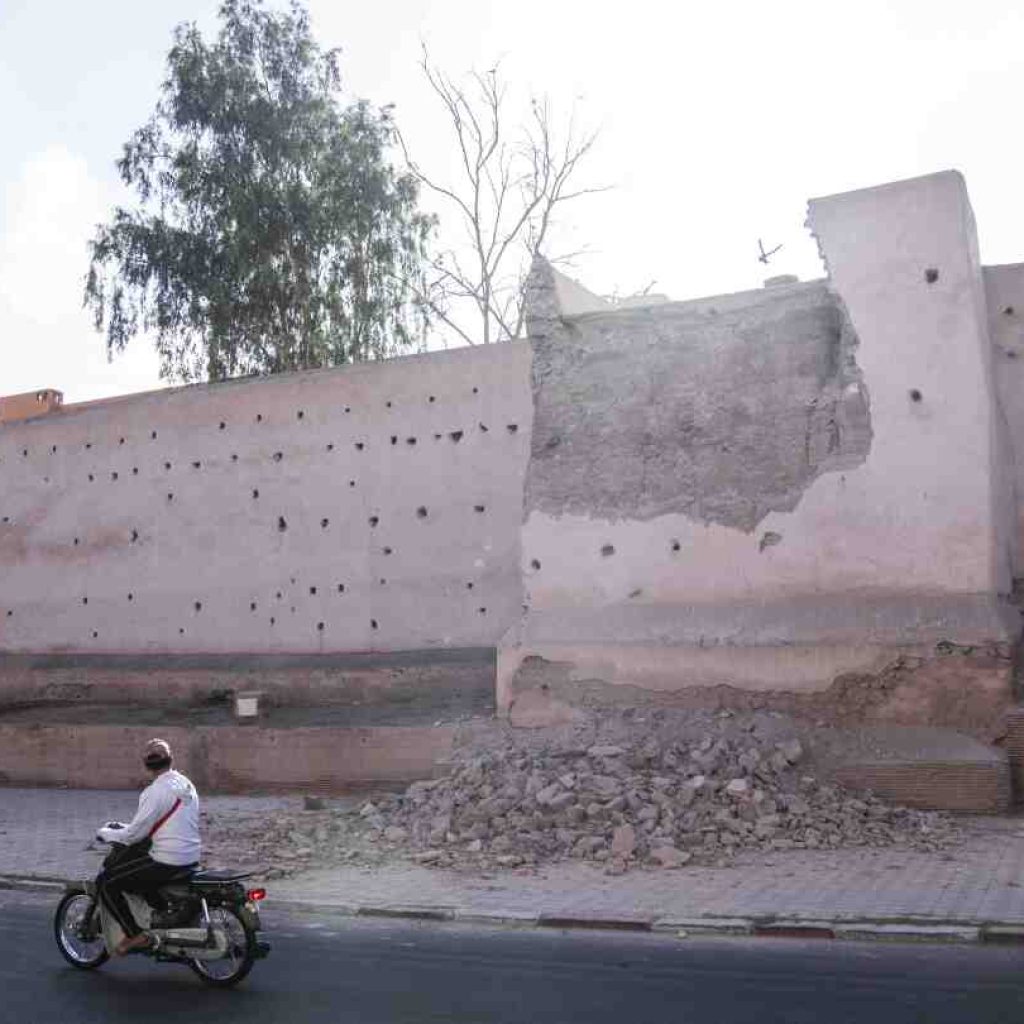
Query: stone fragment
[
  {"x": 669, "y": 856},
  {"x": 738, "y": 788},
  {"x": 605, "y": 751},
  {"x": 623, "y": 841}
]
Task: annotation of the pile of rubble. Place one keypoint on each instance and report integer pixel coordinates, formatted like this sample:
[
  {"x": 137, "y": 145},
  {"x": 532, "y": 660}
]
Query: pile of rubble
[{"x": 642, "y": 803}]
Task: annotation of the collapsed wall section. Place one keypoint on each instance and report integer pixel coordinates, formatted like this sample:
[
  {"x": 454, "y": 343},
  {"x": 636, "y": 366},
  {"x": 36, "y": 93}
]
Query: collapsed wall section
[{"x": 773, "y": 492}]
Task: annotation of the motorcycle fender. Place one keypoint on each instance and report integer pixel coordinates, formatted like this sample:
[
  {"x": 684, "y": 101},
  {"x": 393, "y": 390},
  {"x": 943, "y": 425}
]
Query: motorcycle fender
[{"x": 250, "y": 915}]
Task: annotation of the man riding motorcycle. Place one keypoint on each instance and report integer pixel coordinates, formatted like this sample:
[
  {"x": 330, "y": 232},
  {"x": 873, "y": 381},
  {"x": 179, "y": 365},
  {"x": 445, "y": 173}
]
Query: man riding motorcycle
[{"x": 161, "y": 843}]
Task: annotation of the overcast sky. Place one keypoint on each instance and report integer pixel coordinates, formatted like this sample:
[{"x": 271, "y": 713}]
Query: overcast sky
[{"x": 718, "y": 121}]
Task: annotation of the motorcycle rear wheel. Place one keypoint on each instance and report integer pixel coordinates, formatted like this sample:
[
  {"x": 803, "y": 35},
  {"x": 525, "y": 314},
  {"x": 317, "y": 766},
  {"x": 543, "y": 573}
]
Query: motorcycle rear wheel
[
  {"x": 241, "y": 955},
  {"x": 85, "y": 951}
]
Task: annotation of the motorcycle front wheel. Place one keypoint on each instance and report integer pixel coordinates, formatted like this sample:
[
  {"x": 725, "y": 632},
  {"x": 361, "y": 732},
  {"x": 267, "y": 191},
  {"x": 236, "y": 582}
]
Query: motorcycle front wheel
[
  {"x": 76, "y": 929},
  {"x": 241, "y": 952}
]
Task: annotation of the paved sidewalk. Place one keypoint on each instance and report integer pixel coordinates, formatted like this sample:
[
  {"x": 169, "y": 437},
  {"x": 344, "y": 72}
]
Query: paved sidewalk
[{"x": 970, "y": 891}]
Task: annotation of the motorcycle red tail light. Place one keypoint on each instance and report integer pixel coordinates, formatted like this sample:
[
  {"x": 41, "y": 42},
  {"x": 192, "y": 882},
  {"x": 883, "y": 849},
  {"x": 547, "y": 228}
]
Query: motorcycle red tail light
[{"x": 256, "y": 895}]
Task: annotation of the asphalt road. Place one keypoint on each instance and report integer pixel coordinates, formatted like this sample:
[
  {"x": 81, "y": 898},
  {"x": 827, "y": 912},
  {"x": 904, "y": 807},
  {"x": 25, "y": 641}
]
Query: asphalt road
[{"x": 329, "y": 968}]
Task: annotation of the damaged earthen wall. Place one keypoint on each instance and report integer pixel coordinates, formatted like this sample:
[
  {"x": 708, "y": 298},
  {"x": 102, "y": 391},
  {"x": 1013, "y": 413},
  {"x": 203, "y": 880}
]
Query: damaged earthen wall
[
  {"x": 798, "y": 494},
  {"x": 774, "y": 493}
]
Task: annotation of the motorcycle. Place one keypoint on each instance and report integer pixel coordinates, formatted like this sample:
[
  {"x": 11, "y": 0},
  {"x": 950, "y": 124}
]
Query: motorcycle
[{"x": 208, "y": 921}]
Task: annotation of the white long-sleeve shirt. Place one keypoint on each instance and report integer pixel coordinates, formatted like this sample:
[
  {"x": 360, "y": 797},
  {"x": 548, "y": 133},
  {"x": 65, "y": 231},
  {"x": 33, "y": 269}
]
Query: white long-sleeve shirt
[{"x": 177, "y": 840}]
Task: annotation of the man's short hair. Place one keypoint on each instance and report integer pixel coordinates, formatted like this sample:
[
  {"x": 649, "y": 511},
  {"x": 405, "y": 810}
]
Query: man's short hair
[{"x": 158, "y": 754}]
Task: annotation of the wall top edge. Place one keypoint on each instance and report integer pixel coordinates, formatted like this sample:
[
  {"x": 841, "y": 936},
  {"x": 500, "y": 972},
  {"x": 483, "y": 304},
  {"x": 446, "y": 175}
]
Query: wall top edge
[{"x": 466, "y": 355}]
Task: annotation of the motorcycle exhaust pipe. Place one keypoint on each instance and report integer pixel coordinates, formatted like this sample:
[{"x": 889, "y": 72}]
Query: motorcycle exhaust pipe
[{"x": 184, "y": 937}]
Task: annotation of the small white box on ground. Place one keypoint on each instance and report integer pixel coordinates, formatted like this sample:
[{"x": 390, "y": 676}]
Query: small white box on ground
[{"x": 247, "y": 705}]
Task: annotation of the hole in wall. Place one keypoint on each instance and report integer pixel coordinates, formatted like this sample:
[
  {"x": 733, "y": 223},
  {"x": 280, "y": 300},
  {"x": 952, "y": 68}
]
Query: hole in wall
[
  {"x": 198, "y": 606},
  {"x": 535, "y": 565},
  {"x": 607, "y": 550},
  {"x": 387, "y": 551},
  {"x": 324, "y": 523},
  {"x": 95, "y": 634},
  {"x": 470, "y": 585},
  {"x": 135, "y": 536},
  {"x": 330, "y": 447},
  {"x": 341, "y": 588},
  {"x": 1008, "y": 311},
  {"x": 482, "y": 611},
  {"x": 7, "y": 519},
  {"x": 24, "y": 453},
  {"x": 282, "y": 524},
  {"x": 320, "y": 627},
  {"x": 476, "y": 391},
  {"x": 437, "y": 437},
  {"x": 259, "y": 417},
  {"x": 360, "y": 446},
  {"x": 636, "y": 593},
  {"x": 348, "y": 408},
  {"x": 421, "y": 512},
  {"x": 915, "y": 395},
  {"x": 432, "y": 398},
  {"x": 91, "y": 478},
  {"x": 312, "y": 591},
  {"x": 252, "y": 606},
  {"x": 278, "y": 595},
  {"x": 255, "y": 492},
  {"x": 53, "y": 449},
  {"x": 769, "y": 539},
  {"x": 513, "y": 428},
  {"x": 374, "y": 520},
  {"x": 197, "y": 464},
  {"x": 383, "y": 581},
  {"x": 373, "y": 624},
  {"x": 85, "y": 600},
  {"x": 121, "y": 441},
  {"x": 167, "y": 465},
  {"x": 273, "y": 620},
  {"x": 394, "y": 439},
  {"x": 278, "y": 456},
  {"x": 410, "y": 440},
  {"x": 222, "y": 425},
  {"x": 300, "y": 415},
  {"x": 456, "y": 436},
  {"x": 931, "y": 275},
  {"x": 351, "y": 483},
  {"x": 676, "y": 546},
  {"x": 234, "y": 456},
  {"x": 479, "y": 508},
  {"x": 152, "y": 435},
  {"x": 181, "y": 631},
  {"x": 76, "y": 542},
  {"x": 135, "y": 470},
  {"x": 483, "y": 428},
  {"x": 131, "y": 597},
  {"x": 113, "y": 476},
  {"x": 388, "y": 403},
  {"x": 88, "y": 445}
]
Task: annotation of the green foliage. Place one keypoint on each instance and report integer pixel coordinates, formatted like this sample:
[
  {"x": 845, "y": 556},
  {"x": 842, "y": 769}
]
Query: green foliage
[{"x": 271, "y": 232}]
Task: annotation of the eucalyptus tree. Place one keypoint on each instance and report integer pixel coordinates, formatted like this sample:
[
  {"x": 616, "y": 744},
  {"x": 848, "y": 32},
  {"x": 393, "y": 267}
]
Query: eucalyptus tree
[{"x": 270, "y": 230}]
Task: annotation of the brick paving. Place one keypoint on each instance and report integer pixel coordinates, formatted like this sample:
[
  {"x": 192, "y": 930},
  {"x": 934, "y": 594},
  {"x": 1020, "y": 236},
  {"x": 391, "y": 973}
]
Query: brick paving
[{"x": 47, "y": 833}]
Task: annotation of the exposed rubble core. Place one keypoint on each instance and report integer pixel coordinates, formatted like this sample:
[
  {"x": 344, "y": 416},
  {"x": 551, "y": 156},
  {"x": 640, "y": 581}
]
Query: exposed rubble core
[{"x": 721, "y": 409}]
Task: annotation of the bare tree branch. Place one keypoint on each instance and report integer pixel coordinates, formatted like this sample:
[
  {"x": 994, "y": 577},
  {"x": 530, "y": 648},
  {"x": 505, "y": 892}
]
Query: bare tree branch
[{"x": 505, "y": 200}]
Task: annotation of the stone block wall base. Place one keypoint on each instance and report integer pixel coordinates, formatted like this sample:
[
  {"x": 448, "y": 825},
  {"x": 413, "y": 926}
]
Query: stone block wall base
[
  {"x": 224, "y": 759},
  {"x": 981, "y": 787},
  {"x": 962, "y": 687}
]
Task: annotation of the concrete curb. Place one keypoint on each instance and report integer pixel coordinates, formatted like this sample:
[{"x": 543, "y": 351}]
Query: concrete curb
[{"x": 908, "y": 929}]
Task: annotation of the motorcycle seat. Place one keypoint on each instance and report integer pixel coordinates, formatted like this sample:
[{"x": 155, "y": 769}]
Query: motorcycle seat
[{"x": 218, "y": 876}]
